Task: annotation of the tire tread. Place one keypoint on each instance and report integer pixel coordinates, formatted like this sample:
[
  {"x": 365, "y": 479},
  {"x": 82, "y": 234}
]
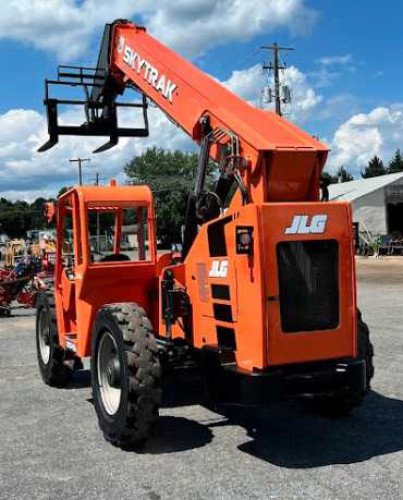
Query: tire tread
[
  {"x": 56, "y": 373},
  {"x": 143, "y": 371}
]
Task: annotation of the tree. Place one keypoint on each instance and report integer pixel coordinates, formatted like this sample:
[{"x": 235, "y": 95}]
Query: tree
[
  {"x": 374, "y": 168},
  {"x": 16, "y": 218},
  {"x": 342, "y": 175},
  {"x": 170, "y": 175},
  {"x": 37, "y": 214},
  {"x": 396, "y": 164},
  {"x": 329, "y": 178},
  {"x": 62, "y": 190}
]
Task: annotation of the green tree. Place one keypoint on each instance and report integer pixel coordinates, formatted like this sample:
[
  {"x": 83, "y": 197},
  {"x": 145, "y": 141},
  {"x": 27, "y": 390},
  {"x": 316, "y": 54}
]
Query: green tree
[
  {"x": 396, "y": 164},
  {"x": 170, "y": 175},
  {"x": 16, "y": 218},
  {"x": 328, "y": 178},
  {"x": 37, "y": 214},
  {"x": 63, "y": 190},
  {"x": 342, "y": 175},
  {"x": 374, "y": 168}
]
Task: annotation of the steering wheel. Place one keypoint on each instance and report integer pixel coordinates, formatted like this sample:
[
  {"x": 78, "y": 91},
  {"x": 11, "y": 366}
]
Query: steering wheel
[
  {"x": 115, "y": 257},
  {"x": 96, "y": 252},
  {"x": 208, "y": 206}
]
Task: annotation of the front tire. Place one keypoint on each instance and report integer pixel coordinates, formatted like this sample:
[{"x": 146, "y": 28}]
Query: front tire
[
  {"x": 50, "y": 355},
  {"x": 126, "y": 374}
]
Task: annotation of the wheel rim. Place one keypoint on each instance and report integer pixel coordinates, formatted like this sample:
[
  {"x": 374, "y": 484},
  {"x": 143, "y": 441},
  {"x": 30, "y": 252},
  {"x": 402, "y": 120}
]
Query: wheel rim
[
  {"x": 108, "y": 368},
  {"x": 44, "y": 337}
]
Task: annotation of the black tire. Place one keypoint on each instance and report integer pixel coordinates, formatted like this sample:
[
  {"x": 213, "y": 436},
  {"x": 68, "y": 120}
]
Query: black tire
[
  {"x": 5, "y": 312},
  {"x": 51, "y": 367},
  {"x": 340, "y": 406},
  {"x": 365, "y": 351},
  {"x": 134, "y": 370}
]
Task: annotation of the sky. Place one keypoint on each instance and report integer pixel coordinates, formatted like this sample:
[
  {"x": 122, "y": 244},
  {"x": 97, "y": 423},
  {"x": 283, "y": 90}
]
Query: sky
[{"x": 345, "y": 75}]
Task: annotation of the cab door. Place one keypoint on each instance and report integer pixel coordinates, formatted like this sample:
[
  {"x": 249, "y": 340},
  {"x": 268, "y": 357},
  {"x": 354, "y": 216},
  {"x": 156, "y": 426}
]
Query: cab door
[{"x": 68, "y": 259}]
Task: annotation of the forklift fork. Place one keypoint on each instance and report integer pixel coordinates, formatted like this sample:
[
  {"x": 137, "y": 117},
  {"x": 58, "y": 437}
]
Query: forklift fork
[{"x": 101, "y": 115}]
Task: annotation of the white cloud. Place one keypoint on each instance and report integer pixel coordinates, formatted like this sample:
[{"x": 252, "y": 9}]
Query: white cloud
[
  {"x": 66, "y": 27},
  {"x": 55, "y": 25},
  {"x": 364, "y": 135},
  {"x": 304, "y": 97},
  {"x": 331, "y": 68},
  {"x": 193, "y": 26},
  {"x": 324, "y": 78},
  {"x": 26, "y": 174},
  {"x": 249, "y": 83},
  {"x": 190, "y": 26},
  {"x": 334, "y": 60},
  {"x": 337, "y": 107}
]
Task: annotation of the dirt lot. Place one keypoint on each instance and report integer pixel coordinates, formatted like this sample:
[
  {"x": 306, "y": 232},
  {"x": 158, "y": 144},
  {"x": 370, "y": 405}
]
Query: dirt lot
[{"x": 50, "y": 445}]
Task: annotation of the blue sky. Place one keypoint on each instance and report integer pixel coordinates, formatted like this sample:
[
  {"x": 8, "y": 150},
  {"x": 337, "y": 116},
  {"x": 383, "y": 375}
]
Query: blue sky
[{"x": 345, "y": 73}]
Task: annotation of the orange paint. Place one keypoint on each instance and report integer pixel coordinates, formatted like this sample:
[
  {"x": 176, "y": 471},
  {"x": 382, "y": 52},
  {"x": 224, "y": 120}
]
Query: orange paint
[{"x": 281, "y": 169}]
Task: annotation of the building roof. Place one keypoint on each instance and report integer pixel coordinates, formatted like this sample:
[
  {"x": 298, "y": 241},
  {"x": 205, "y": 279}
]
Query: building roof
[{"x": 350, "y": 191}]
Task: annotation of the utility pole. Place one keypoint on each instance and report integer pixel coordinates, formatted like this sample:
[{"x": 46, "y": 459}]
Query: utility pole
[
  {"x": 276, "y": 67},
  {"x": 97, "y": 179},
  {"x": 80, "y": 161}
]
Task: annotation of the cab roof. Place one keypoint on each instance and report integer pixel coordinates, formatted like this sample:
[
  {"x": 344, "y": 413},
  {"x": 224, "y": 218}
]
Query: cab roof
[{"x": 109, "y": 195}]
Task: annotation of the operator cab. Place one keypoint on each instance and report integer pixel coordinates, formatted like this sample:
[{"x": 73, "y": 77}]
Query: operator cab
[
  {"x": 106, "y": 254},
  {"x": 99, "y": 232}
]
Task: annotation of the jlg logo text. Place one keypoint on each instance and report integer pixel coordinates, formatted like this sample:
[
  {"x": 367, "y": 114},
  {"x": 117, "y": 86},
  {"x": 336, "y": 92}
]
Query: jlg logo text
[
  {"x": 303, "y": 224},
  {"x": 219, "y": 269}
]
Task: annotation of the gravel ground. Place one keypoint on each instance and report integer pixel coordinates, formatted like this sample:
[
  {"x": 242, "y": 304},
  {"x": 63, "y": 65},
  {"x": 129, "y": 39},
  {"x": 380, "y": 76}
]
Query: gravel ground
[{"x": 50, "y": 445}]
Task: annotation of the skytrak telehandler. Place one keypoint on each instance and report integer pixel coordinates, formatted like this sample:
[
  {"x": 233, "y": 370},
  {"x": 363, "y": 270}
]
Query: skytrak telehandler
[{"x": 263, "y": 298}]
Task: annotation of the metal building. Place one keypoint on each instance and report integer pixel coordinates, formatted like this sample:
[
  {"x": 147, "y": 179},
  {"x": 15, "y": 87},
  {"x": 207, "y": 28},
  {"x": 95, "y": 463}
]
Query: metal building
[{"x": 377, "y": 203}]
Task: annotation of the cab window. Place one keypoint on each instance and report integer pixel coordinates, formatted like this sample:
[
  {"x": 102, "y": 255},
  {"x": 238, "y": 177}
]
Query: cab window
[
  {"x": 66, "y": 249},
  {"x": 118, "y": 234}
]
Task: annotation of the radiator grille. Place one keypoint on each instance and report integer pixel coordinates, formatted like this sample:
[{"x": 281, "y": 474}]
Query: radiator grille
[{"x": 309, "y": 285}]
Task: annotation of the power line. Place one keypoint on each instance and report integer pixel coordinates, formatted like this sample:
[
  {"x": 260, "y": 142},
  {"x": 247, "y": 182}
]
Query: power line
[
  {"x": 249, "y": 57},
  {"x": 97, "y": 179},
  {"x": 276, "y": 66},
  {"x": 80, "y": 161}
]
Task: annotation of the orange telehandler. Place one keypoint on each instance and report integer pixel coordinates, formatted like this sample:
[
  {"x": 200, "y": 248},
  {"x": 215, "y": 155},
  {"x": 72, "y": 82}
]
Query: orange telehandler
[{"x": 263, "y": 297}]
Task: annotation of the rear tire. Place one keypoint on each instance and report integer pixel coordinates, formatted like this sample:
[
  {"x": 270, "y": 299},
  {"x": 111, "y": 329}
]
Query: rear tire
[
  {"x": 126, "y": 374},
  {"x": 50, "y": 354},
  {"x": 339, "y": 406},
  {"x": 365, "y": 351},
  {"x": 5, "y": 312}
]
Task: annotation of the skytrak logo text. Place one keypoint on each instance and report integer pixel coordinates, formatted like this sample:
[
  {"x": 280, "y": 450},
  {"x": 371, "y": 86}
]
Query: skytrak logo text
[{"x": 150, "y": 74}]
